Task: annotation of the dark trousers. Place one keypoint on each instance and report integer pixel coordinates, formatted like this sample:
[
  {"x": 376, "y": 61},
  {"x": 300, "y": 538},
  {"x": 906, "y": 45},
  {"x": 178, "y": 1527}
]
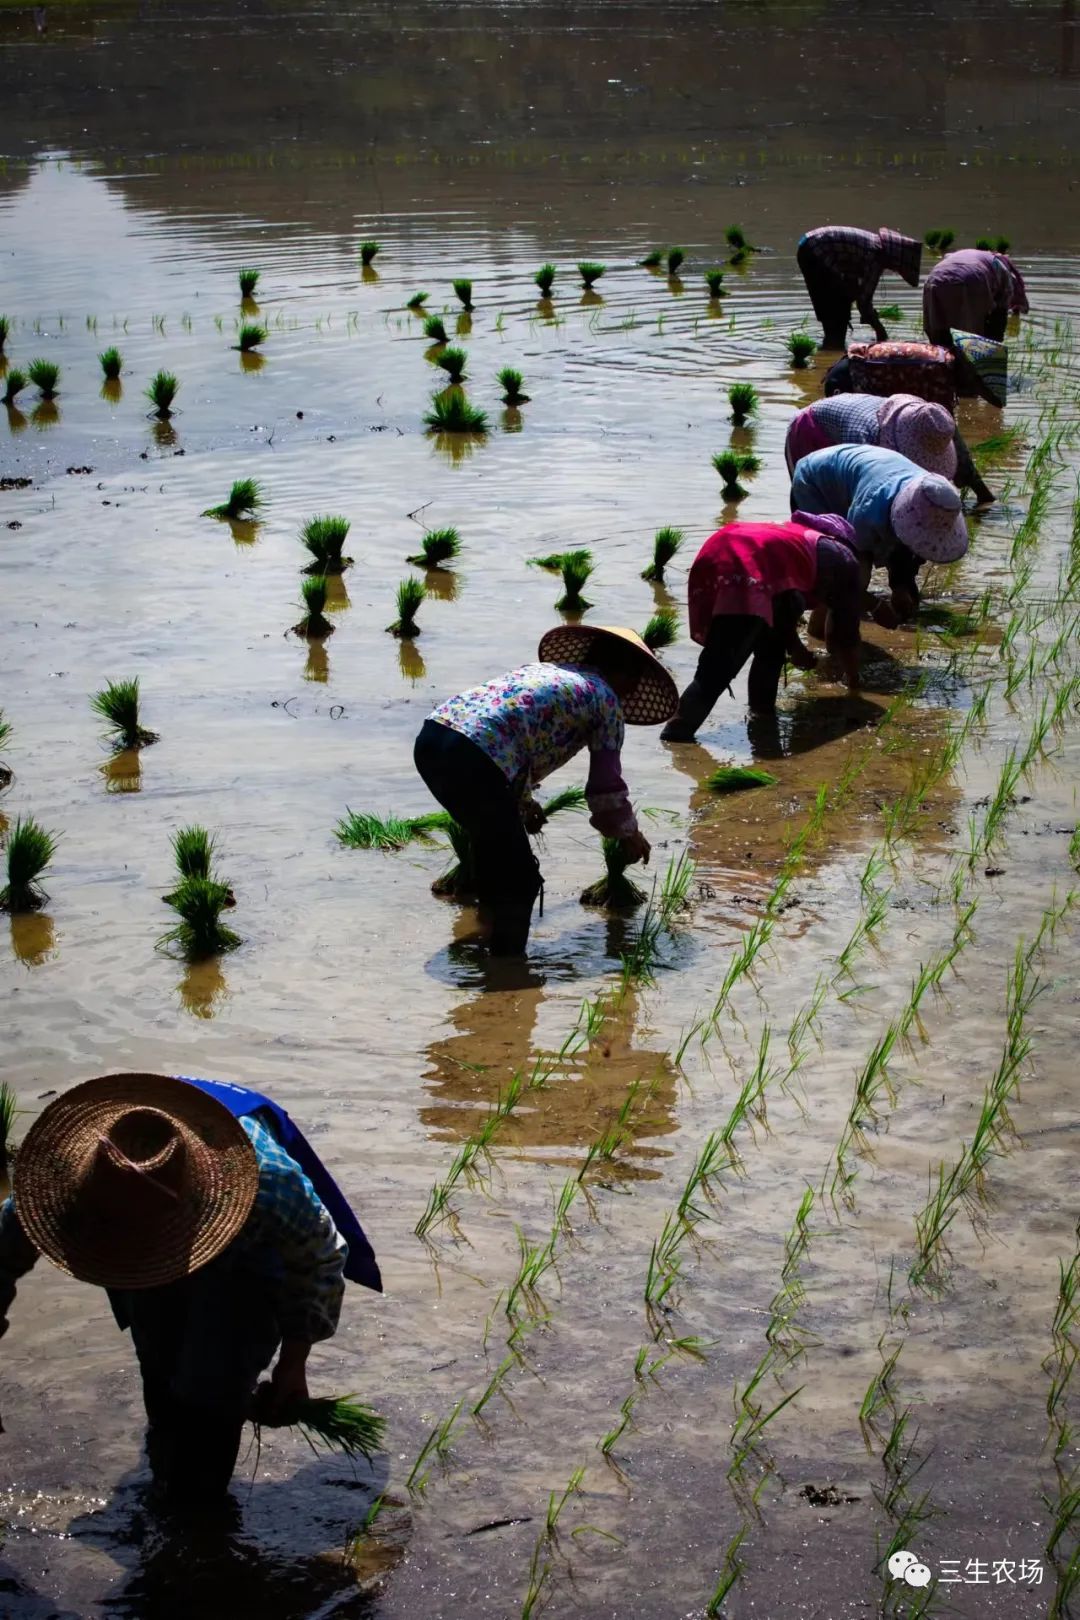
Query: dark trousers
[
  {"x": 732, "y": 639},
  {"x": 477, "y": 794},
  {"x": 831, "y": 301}
]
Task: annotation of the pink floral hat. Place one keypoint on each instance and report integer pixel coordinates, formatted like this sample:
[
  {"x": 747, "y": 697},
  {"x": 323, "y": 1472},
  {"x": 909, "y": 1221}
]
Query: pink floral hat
[
  {"x": 928, "y": 517},
  {"x": 919, "y": 430}
]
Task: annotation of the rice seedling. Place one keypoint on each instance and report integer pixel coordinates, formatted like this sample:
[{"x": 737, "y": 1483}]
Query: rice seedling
[
  {"x": 417, "y": 301},
  {"x": 992, "y": 244},
  {"x": 614, "y": 891},
  {"x": 736, "y": 240},
  {"x": 539, "y": 1572},
  {"x": 193, "y": 849},
  {"x": 436, "y": 1445},
  {"x": 324, "y": 537},
  {"x": 249, "y": 335},
  {"x": 249, "y": 280},
  {"x": 942, "y": 240},
  {"x": 733, "y": 465},
  {"x": 118, "y": 704},
  {"x": 662, "y": 629},
  {"x": 360, "y": 830},
  {"x": 245, "y": 499},
  {"x": 590, "y": 272},
  {"x": 733, "y": 778},
  {"x": 453, "y": 362},
  {"x": 438, "y": 547},
  {"x": 545, "y": 279},
  {"x": 14, "y": 383},
  {"x": 621, "y": 1424},
  {"x": 653, "y": 259},
  {"x": 714, "y": 280},
  {"x": 666, "y": 543},
  {"x": 730, "y": 1572},
  {"x": 111, "y": 363},
  {"x": 453, "y": 414},
  {"x": 511, "y": 381},
  {"x": 891, "y": 312},
  {"x": 800, "y": 346},
  {"x": 675, "y": 257},
  {"x": 30, "y": 848},
  {"x": 368, "y": 250},
  {"x": 435, "y": 329},
  {"x": 45, "y": 375},
  {"x": 200, "y": 932},
  {"x": 463, "y": 292},
  {"x": 575, "y": 567},
  {"x": 556, "y": 1502},
  {"x": 410, "y": 594},
  {"x": 313, "y": 592},
  {"x": 999, "y": 445},
  {"x": 338, "y": 1423},
  {"x": 161, "y": 393},
  {"x": 5, "y": 331},
  {"x": 9, "y": 1107}
]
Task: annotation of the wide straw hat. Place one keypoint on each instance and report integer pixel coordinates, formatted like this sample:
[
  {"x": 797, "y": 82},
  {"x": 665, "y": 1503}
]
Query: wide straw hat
[
  {"x": 655, "y": 696},
  {"x": 928, "y": 516},
  {"x": 921, "y": 431},
  {"x": 134, "y": 1180}
]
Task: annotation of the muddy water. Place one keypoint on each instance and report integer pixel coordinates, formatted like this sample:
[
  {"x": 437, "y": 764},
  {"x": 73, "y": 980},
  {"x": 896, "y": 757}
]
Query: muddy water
[{"x": 482, "y": 142}]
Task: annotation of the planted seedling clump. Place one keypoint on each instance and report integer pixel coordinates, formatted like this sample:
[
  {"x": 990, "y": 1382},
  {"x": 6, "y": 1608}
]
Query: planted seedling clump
[
  {"x": 200, "y": 933},
  {"x": 5, "y": 331},
  {"x": 14, "y": 383},
  {"x": 733, "y": 778},
  {"x": 993, "y": 244},
  {"x": 653, "y": 259},
  {"x": 454, "y": 414},
  {"x": 434, "y": 329},
  {"x": 161, "y": 393},
  {"x": 245, "y": 499},
  {"x": 463, "y": 289},
  {"x": 733, "y": 465},
  {"x": 675, "y": 258},
  {"x": 736, "y": 241},
  {"x": 193, "y": 848},
  {"x": 800, "y": 346},
  {"x": 438, "y": 547},
  {"x": 111, "y": 363},
  {"x": 545, "y": 279},
  {"x": 118, "y": 704},
  {"x": 368, "y": 250},
  {"x": 249, "y": 280},
  {"x": 453, "y": 362},
  {"x": 324, "y": 538},
  {"x": 511, "y": 381},
  {"x": 714, "y": 280},
  {"x": 45, "y": 375},
  {"x": 417, "y": 301},
  {"x": 314, "y": 624},
  {"x": 743, "y": 399},
  {"x": 940, "y": 240},
  {"x": 575, "y": 567},
  {"x": 590, "y": 272},
  {"x": 666, "y": 543},
  {"x": 30, "y": 849},
  {"x": 615, "y": 891},
  {"x": 662, "y": 629},
  {"x": 410, "y": 594},
  {"x": 249, "y": 335}
]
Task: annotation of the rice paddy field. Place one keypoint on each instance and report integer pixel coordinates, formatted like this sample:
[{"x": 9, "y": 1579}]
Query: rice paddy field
[{"x": 730, "y": 1246}]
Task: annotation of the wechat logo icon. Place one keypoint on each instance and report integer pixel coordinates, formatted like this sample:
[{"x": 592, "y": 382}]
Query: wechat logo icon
[{"x": 904, "y": 1566}]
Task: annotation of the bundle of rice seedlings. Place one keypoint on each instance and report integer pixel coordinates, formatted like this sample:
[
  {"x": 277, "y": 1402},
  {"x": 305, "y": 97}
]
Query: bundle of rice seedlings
[
  {"x": 545, "y": 279},
  {"x": 245, "y": 499},
  {"x": 368, "y": 250},
  {"x": 463, "y": 290},
  {"x": 435, "y": 329},
  {"x": 454, "y": 414},
  {"x": 193, "y": 849},
  {"x": 666, "y": 543},
  {"x": 733, "y": 465},
  {"x": 438, "y": 547},
  {"x": 410, "y": 594},
  {"x": 662, "y": 629},
  {"x": 417, "y": 301},
  {"x": 800, "y": 346},
  {"x": 615, "y": 891},
  {"x": 453, "y": 362},
  {"x": 249, "y": 335},
  {"x": 737, "y": 242},
  {"x": 940, "y": 240},
  {"x": 200, "y": 933},
  {"x": 653, "y": 259},
  {"x": 510, "y": 381},
  {"x": 29, "y": 850},
  {"x": 324, "y": 536},
  {"x": 891, "y": 312},
  {"x": 118, "y": 703},
  {"x": 714, "y": 280},
  {"x": 571, "y": 798},
  {"x": 44, "y": 374},
  {"x": 360, "y": 830},
  {"x": 111, "y": 362},
  {"x": 9, "y": 1107},
  {"x": 249, "y": 280},
  {"x": 675, "y": 257},
  {"x": 932, "y": 238},
  {"x": 575, "y": 567},
  {"x": 5, "y": 331},
  {"x": 14, "y": 383},
  {"x": 161, "y": 393},
  {"x": 459, "y": 881},
  {"x": 339, "y": 1423},
  {"x": 590, "y": 272},
  {"x": 744, "y": 401},
  {"x": 5, "y": 735},
  {"x": 733, "y": 778},
  {"x": 314, "y": 623}
]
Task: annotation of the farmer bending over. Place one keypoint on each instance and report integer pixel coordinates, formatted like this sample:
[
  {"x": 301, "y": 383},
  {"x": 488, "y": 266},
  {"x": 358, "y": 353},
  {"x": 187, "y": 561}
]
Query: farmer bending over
[
  {"x": 180, "y": 1199},
  {"x": 483, "y": 752},
  {"x": 842, "y": 265},
  {"x": 972, "y": 291}
]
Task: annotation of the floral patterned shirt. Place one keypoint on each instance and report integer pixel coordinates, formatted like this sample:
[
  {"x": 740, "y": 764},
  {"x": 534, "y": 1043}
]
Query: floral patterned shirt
[{"x": 535, "y": 718}]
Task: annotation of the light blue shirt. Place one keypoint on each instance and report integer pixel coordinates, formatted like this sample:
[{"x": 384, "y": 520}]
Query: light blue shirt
[{"x": 860, "y": 482}]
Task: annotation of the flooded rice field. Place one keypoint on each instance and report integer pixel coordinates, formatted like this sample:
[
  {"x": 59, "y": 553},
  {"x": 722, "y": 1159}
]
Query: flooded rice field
[{"x": 732, "y": 1277}]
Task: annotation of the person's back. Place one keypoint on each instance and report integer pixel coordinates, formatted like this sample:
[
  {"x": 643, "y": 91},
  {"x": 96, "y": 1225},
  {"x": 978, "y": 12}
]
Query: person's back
[{"x": 860, "y": 481}]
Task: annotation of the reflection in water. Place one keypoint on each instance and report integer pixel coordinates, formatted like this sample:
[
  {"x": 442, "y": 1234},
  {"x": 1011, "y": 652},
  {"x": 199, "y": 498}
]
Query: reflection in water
[
  {"x": 442, "y": 583},
  {"x": 545, "y": 308},
  {"x": 15, "y": 419},
  {"x": 590, "y": 299},
  {"x": 317, "y": 667},
  {"x": 203, "y": 988},
  {"x": 45, "y": 414},
  {"x": 251, "y": 360},
  {"x": 464, "y": 324},
  {"x": 337, "y": 597},
  {"x": 676, "y": 285},
  {"x": 33, "y": 937},
  {"x": 369, "y": 275},
  {"x": 164, "y": 435},
  {"x": 249, "y": 306},
  {"x": 123, "y": 772},
  {"x": 112, "y": 389},
  {"x": 512, "y": 420},
  {"x": 410, "y": 660},
  {"x": 457, "y": 446},
  {"x": 245, "y": 531}
]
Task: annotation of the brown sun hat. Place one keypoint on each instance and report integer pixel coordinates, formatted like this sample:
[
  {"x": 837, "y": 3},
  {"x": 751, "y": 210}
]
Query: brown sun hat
[
  {"x": 655, "y": 697},
  {"x": 134, "y": 1180}
]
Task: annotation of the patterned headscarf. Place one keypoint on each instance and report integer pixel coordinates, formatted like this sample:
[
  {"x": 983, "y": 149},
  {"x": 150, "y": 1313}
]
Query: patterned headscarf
[{"x": 902, "y": 254}]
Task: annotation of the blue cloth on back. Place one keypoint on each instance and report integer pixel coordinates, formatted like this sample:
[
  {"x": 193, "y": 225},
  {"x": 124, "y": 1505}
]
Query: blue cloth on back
[
  {"x": 860, "y": 481},
  {"x": 361, "y": 1266}
]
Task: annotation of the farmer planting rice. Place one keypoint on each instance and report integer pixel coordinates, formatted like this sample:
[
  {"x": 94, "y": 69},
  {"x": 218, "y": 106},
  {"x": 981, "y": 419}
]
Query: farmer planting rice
[
  {"x": 921, "y": 431},
  {"x": 481, "y": 754},
  {"x": 749, "y": 585},
  {"x": 220, "y": 1238},
  {"x": 842, "y": 265},
  {"x": 972, "y": 290},
  {"x": 901, "y": 515}
]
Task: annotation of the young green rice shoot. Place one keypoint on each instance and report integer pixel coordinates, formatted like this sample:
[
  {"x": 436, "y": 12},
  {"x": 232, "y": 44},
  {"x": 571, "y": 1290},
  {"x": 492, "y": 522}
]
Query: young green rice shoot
[
  {"x": 314, "y": 624},
  {"x": 339, "y": 1423},
  {"x": 249, "y": 335},
  {"x": 614, "y": 891},
  {"x": 417, "y": 301},
  {"x": 714, "y": 280},
  {"x": 511, "y": 382},
  {"x": 736, "y": 240},
  {"x": 118, "y": 704},
  {"x": 800, "y": 346},
  {"x": 324, "y": 537},
  {"x": 453, "y": 362},
  {"x": 653, "y": 259},
  {"x": 368, "y": 250},
  {"x": 454, "y": 414},
  {"x": 45, "y": 375},
  {"x": 245, "y": 499},
  {"x": 193, "y": 850},
  {"x": 940, "y": 241},
  {"x": 743, "y": 399},
  {"x": 410, "y": 594},
  {"x": 590, "y": 272},
  {"x": 249, "y": 280},
  {"x": 438, "y": 547},
  {"x": 30, "y": 848},
  {"x": 463, "y": 292},
  {"x": 733, "y": 465},
  {"x": 5, "y": 331},
  {"x": 161, "y": 393},
  {"x": 14, "y": 383},
  {"x": 733, "y": 778},
  {"x": 666, "y": 543},
  {"x": 575, "y": 567},
  {"x": 891, "y": 312},
  {"x": 675, "y": 257},
  {"x": 545, "y": 279},
  {"x": 662, "y": 629},
  {"x": 111, "y": 362},
  {"x": 435, "y": 329},
  {"x": 993, "y": 244},
  {"x": 200, "y": 933},
  {"x": 358, "y": 829}
]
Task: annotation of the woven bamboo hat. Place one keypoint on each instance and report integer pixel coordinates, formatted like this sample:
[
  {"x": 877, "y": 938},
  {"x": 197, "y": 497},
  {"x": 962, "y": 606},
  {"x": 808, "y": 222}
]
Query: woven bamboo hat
[
  {"x": 134, "y": 1180},
  {"x": 655, "y": 696}
]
